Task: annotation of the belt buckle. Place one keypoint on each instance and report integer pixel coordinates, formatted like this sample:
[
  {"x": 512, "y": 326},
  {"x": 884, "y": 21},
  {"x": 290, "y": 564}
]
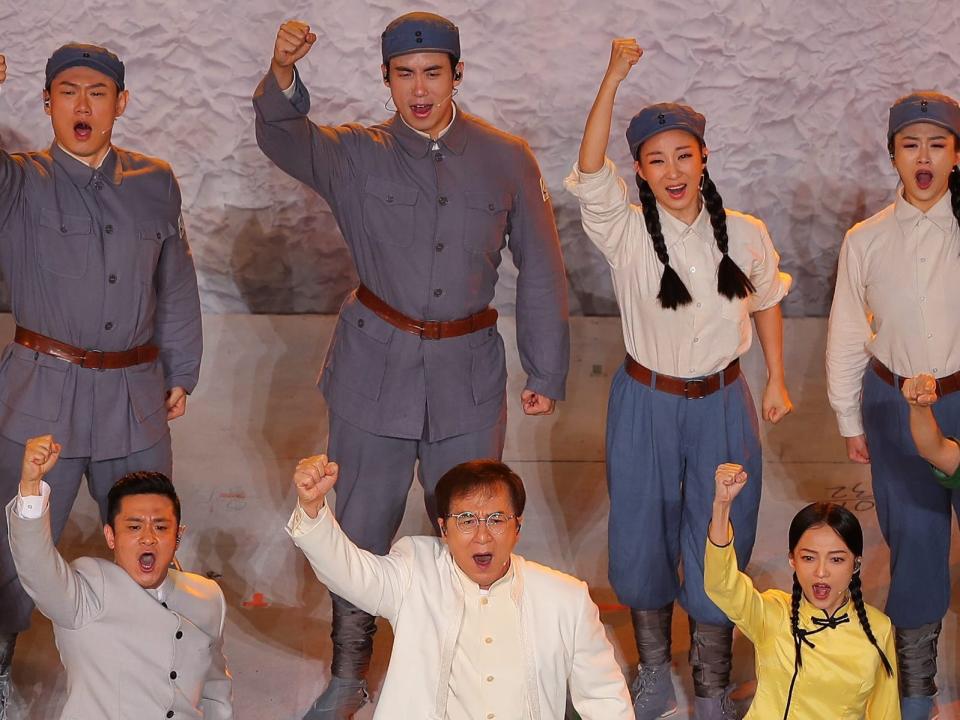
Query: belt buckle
[
  {"x": 699, "y": 393},
  {"x": 90, "y": 365},
  {"x": 430, "y": 330}
]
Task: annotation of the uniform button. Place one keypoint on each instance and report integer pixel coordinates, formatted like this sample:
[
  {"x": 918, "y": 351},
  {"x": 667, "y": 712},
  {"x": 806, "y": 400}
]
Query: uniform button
[
  {"x": 490, "y": 716},
  {"x": 696, "y": 339},
  {"x": 108, "y": 326},
  {"x": 923, "y": 259},
  {"x": 935, "y": 370},
  {"x": 923, "y": 299},
  {"x": 169, "y": 713},
  {"x": 173, "y": 674},
  {"x": 488, "y": 640},
  {"x": 692, "y": 370},
  {"x": 112, "y": 279},
  {"x": 438, "y": 156},
  {"x": 108, "y": 229},
  {"x": 489, "y": 678},
  {"x": 929, "y": 335},
  {"x": 439, "y": 247},
  {"x": 63, "y": 228},
  {"x": 692, "y": 269},
  {"x": 179, "y": 634},
  {"x": 484, "y": 601},
  {"x": 360, "y": 322},
  {"x": 389, "y": 198},
  {"x": 699, "y": 305},
  {"x": 159, "y": 236},
  {"x": 489, "y": 332},
  {"x": 438, "y": 292},
  {"x": 491, "y": 207},
  {"x": 443, "y": 200},
  {"x": 98, "y": 185}
]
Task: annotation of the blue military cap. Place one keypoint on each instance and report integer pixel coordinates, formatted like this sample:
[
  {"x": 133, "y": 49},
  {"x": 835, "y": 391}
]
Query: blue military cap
[
  {"x": 658, "y": 118},
  {"x": 419, "y": 32},
  {"x": 91, "y": 56},
  {"x": 925, "y": 106}
]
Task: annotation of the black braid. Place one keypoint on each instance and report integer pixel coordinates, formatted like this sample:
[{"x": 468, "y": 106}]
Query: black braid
[
  {"x": 795, "y": 618},
  {"x": 731, "y": 280},
  {"x": 673, "y": 293},
  {"x": 856, "y": 594},
  {"x": 954, "y": 185}
]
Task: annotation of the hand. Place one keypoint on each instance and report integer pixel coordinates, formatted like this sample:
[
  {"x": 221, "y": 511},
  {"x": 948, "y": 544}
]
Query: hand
[
  {"x": 314, "y": 478},
  {"x": 533, "y": 403},
  {"x": 624, "y": 54},
  {"x": 857, "y": 449},
  {"x": 776, "y": 404},
  {"x": 176, "y": 402},
  {"x": 3, "y": 69},
  {"x": 920, "y": 390},
  {"x": 731, "y": 479},
  {"x": 39, "y": 456},
  {"x": 294, "y": 40}
]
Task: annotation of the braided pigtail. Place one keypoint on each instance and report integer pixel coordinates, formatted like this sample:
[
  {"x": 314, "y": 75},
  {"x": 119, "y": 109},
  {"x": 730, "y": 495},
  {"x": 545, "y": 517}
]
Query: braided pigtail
[
  {"x": 954, "y": 185},
  {"x": 856, "y": 595},
  {"x": 731, "y": 280},
  {"x": 673, "y": 293},
  {"x": 795, "y": 619}
]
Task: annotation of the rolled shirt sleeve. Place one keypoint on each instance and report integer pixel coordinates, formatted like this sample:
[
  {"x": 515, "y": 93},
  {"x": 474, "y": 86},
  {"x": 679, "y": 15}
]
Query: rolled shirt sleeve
[{"x": 608, "y": 217}]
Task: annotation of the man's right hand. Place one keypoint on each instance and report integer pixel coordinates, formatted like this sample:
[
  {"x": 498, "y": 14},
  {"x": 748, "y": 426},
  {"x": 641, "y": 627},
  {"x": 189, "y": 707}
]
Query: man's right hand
[
  {"x": 3, "y": 69},
  {"x": 294, "y": 40},
  {"x": 624, "y": 54},
  {"x": 857, "y": 449},
  {"x": 39, "y": 457},
  {"x": 314, "y": 478}
]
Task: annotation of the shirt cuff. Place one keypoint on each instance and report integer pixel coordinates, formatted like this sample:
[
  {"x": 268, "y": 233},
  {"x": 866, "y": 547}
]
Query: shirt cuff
[
  {"x": 300, "y": 523},
  {"x": 850, "y": 425},
  {"x": 33, "y": 507}
]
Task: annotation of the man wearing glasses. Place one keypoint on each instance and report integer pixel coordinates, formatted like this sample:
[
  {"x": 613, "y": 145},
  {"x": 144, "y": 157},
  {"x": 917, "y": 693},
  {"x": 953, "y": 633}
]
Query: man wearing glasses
[{"x": 478, "y": 631}]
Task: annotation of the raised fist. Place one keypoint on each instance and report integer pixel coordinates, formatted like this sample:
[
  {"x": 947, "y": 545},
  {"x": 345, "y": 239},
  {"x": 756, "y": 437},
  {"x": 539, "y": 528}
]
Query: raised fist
[
  {"x": 624, "y": 54},
  {"x": 730, "y": 481},
  {"x": 39, "y": 456},
  {"x": 294, "y": 40},
  {"x": 3, "y": 69},
  {"x": 920, "y": 390},
  {"x": 314, "y": 478}
]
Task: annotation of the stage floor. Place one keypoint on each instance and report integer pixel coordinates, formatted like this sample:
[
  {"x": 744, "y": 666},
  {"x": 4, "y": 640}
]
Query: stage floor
[{"x": 257, "y": 411}]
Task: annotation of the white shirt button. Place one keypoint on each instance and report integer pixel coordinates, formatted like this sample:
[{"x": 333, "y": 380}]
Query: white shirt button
[
  {"x": 923, "y": 260},
  {"x": 696, "y": 339},
  {"x": 488, "y": 640},
  {"x": 935, "y": 370},
  {"x": 923, "y": 298},
  {"x": 929, "y": 335},
  {"x": 699, "y": 304},
  {"x": 692, "y": 269}
]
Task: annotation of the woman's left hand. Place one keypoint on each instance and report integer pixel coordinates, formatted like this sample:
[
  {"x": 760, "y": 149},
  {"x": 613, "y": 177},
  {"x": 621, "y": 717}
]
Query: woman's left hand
[{"x": 776, "y": 404}]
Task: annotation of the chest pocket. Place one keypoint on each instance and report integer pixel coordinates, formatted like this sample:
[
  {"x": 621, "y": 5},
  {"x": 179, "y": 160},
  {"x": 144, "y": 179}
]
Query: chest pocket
[
  {"x": 388, "y": 215},
  {"x": 150, "y": 237},
  {"x": 64, "y": 243},
  {"x": 485, "y": 221}
]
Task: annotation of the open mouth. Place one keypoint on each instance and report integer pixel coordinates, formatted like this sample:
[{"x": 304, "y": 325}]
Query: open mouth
[
  {"x": 421, "y": 112},
  {"x": 82, "y": 131},
  {"x": 483, "y": 560},
  {"x": 821, "y": 591},
  {"x": 147, "y": 562},
  {"x": 924, "y": 179},
  {"x": 676, "y": 192}
]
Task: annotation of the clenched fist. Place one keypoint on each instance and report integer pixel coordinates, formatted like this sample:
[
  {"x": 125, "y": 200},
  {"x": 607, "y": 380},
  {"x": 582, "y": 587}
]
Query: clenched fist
[
  {"x": 3, "y": 68},
  {"x": 624, "y": 54},
  {"x": 39, "y": 457},
  {"x": 294, "y": 40},
  {"x": 313, "y": 478},
  {"x": 920, "y": 390},
  {"x": 730, "y": 479}
]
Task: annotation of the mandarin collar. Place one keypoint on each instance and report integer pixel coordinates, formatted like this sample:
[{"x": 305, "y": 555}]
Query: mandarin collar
[
  {"x": 82, "y": 174},
  {"x": 454, "y": 138},
  {"x": 809, "y": 611},
  {"x": 471, "y": 589},
  {"x": 908, "y": 216}
]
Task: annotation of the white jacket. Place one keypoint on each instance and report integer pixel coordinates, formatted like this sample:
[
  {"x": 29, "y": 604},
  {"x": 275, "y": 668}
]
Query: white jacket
[{"x": 417, "y": 590}]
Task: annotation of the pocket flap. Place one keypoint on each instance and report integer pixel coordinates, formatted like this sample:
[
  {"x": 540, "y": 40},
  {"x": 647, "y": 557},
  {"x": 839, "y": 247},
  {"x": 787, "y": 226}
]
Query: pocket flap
[
  {"x": 157, "y": 230},
  {"x": 66, "y": 224},
  {"x": 390, "y": 192},
  {"x": 488, "y": 202}
]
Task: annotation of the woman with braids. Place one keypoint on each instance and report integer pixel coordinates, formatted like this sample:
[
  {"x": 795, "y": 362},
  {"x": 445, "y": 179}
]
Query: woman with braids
[
  {"x": 821, "y": 651},
  {"x": 687, "y": 275},
  {"x": 894, "y": 316}
]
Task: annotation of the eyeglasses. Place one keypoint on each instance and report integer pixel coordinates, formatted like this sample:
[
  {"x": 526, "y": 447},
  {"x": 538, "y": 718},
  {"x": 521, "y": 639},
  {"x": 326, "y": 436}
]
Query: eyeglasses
[{"x": 468, "y": 522}]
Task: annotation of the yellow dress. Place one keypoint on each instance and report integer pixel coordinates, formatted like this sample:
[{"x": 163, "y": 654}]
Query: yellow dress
[{"x": 842, "y": 676}]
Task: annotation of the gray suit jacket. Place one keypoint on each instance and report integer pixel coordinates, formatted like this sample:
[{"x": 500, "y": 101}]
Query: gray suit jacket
[
  {"x": 425, "y": 224},
  {"x": 97, "y": 259},
  {"x": 127, "y": 656}
]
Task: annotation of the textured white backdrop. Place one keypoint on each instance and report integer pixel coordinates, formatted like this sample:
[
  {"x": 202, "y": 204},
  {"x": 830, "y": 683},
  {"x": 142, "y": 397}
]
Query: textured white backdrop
[{"x": 795, "y": 94}]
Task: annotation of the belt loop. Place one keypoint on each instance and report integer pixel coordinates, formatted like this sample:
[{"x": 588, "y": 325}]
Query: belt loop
[{"x": 653, "y": 379}]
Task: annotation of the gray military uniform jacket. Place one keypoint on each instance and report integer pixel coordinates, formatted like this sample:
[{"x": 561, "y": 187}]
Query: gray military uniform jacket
[
  {"x": 98, "y": 259},
  {"x": 127, "y": 656},
  {"x": 425, "y": 224}
]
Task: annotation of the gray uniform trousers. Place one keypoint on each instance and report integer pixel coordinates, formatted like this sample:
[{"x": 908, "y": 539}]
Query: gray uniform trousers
[
  {"x": 64, "y": 480},
  {"x": 371, "y": 494}
]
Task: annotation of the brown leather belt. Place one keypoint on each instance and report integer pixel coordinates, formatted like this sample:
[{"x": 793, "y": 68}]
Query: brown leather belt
[
  {"x": 945, "y": 385},
  {"x": 429, "y": 329},
  {"x": 90, "y": 359},
  {"x": 690, "y": 389}
]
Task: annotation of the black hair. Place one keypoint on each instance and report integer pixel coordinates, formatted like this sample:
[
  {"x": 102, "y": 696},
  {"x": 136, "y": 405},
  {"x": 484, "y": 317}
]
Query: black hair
[
  {"x": 731, "y": 280},
  {"x": 845, "y": 524},
  {"x": 454, "y": 61},
  {"x": 140, "y": 483},
  {"x": 469, "y": 477}
]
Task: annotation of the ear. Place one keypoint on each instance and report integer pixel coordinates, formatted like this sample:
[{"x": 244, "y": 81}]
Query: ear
[
  {"x": 385, "y": 73},
  {"x": 110, "y": 537},
  {"x": 122, "y": 99},
  {"x": 458, "y": 74},
  {"x": 180, "y": 531},
  {"x": 443, "y": 529},
  {"x": 637, "y": 169},
  {"x": 856, "y": 564},
  {"x": 704, "y": 154},
  {"x": 46, "y": 102},
  {"x": 792, "y": 563}
]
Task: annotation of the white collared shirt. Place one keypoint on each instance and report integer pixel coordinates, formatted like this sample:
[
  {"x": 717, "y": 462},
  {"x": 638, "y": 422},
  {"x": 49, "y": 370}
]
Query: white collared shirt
[
  {"x": 696, "y": 339},
  {"x": 897, "y": 299}
]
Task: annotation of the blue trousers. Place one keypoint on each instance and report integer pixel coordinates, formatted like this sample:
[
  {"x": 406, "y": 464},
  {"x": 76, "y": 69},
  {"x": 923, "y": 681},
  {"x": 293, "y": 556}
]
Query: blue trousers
[
  {"x": 662, "y": 456},
  {"x": 914, "y": 511}
]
